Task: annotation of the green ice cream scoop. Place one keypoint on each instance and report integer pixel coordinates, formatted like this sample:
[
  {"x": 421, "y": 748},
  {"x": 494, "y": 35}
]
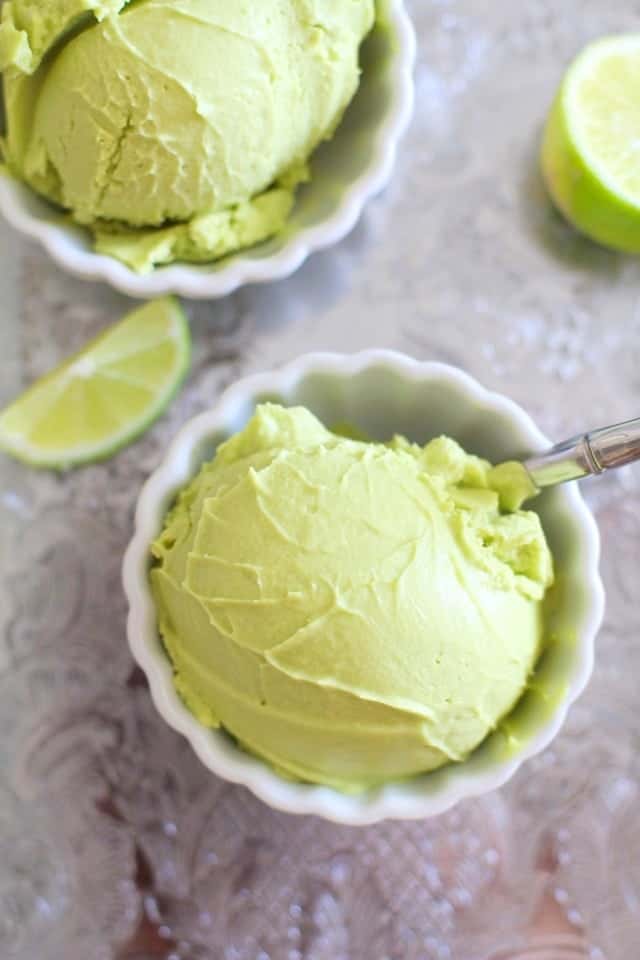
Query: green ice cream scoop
[
  {"x": 351, "y": 612},
  {"x": 175, "y": 129}
]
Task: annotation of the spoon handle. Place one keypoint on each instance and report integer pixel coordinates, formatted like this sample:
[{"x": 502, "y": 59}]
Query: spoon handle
[{"x": 582, "y": 456}]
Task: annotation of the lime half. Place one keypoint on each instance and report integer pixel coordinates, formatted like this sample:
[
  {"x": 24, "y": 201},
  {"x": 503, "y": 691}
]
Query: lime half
[
  {"x": 591, "y": 148},
  {"x": 104, "y": 396}
]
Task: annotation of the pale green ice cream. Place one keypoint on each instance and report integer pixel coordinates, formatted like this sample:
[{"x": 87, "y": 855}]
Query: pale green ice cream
[
  {"x": 351, "y": 612},
  {"x": 175, "y": 129}
]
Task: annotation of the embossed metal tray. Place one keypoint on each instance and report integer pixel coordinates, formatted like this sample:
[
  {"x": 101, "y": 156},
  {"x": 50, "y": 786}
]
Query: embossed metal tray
[{"x": 115, "y": 843}]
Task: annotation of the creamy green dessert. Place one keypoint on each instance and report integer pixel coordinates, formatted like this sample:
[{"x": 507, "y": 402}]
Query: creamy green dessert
[
  {"x": 175, "y": 129},
  {"x": 351, "y": 612}
]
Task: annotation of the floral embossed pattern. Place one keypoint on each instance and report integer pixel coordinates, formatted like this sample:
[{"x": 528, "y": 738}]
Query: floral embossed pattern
[{"x": 115, "y": 843}]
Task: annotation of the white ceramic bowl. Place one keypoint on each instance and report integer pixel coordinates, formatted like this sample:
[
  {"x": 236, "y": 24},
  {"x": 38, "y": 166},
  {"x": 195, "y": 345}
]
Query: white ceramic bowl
[
  {"x": 382, "y": 393},
  {"x": 347, "y": 172}
]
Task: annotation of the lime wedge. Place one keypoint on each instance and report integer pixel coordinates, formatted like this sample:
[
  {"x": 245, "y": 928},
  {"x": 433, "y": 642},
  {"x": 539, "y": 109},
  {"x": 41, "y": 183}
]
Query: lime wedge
[
  {"x": 591, "y": 147},
  {"x": 105, "y": 395}
]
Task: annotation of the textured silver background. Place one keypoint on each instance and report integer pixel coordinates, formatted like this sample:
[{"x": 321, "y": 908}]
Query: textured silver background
[{"x": 114, "y": 841}]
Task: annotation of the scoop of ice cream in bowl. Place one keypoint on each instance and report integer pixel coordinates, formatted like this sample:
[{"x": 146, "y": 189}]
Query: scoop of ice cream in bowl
[
  {"x": 348, "y": 620},
  {"x": 181, "y": 132}
]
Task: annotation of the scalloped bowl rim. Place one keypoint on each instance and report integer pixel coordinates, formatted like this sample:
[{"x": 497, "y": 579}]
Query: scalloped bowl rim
[
  {"x": 216, "y": 750},
  {"x": 195, "y": 283}
]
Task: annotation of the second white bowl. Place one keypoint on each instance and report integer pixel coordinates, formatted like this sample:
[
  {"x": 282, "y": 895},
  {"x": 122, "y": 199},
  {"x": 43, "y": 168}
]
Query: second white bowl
[
  {"x": 347, "y": 173},
  {"x": 383, "y": 393}
]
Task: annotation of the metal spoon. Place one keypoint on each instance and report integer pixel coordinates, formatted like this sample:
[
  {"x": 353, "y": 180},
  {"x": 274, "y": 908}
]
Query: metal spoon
[{"x": 586, "y": 455}]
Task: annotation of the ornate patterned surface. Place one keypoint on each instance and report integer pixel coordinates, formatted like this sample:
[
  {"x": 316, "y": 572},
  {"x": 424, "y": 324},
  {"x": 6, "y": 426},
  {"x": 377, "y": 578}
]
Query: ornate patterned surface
[{"x": 115, "y": 844}]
